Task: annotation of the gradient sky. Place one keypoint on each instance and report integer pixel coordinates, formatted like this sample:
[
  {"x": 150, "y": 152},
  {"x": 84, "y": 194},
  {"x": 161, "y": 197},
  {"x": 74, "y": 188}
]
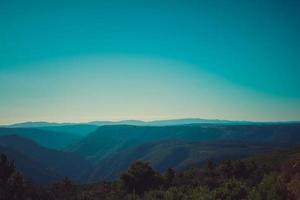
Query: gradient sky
[{"x": 112, "y": 60}]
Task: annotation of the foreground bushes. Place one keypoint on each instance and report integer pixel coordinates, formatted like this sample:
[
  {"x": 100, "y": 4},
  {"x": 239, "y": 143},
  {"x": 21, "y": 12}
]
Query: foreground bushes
[{"x": 229, "y": 180}]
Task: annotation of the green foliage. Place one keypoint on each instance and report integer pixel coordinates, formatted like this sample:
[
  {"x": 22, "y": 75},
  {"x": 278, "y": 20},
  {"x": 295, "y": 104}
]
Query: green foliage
[
  {"x": 175, "y": 193},
  {"x": 201, "y": 193},
  {"x": 266, "y": 189},
  {"x": 229, "y": 180},
  {"x": 140, "y": 177},
  {"x": 226, "y": 169},
  {"x": 232, "y": 189}
]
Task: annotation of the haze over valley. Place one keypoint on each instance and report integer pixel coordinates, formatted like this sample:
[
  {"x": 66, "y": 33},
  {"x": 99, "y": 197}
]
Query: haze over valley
[{"x": 149, "y": 100}]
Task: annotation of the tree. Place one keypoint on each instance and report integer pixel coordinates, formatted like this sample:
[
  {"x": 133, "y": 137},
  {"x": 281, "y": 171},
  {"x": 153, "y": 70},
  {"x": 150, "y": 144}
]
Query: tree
[
  {"x": 200, "y": 193},
  {"x": 210, "y": 169},
  {"x": 226, "y": 169},
  {"x": 239, "y": 169},
  {"x": 7, "y": 168},
  {"x": 232, "y": 189},
  {"x": 289, "y": 179},
  {"x": 65, "y": 190},
  {"x": 266, "y": 189},
  {"x": 169, "y": 177},
  {"x": 140, "y": 177},
  {"x": 210, "y": 178},
  {"x": 12, "y": 184}
]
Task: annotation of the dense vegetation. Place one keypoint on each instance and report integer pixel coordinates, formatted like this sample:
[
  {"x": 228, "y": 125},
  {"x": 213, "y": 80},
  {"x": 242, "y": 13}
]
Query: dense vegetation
[
  {"x": 267, "y": 177},
  {"x": 44, "y": 154}
]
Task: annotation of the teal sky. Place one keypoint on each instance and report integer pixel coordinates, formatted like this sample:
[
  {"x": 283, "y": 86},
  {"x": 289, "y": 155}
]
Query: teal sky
[{"x": 112, "y": 60}]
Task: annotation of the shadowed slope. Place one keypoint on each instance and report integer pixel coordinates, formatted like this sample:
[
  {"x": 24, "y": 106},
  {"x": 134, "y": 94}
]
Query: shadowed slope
[
  {"x": 175, "y": 154},
  {"x": 49, "y": 139},
  {"x": 107, "y": 140},
  {"x": 60, "y": 163}
]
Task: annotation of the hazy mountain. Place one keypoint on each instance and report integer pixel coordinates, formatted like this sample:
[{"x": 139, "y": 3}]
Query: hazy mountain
[
  {"x": 50, "y": 139},
  {"x": 110, "y": 139},
  {"x": 50, "y": 164},
  {"x": 131, "y": 122},
  {"x": 30, "y": 168},
  {"x": 79, "y": 129},
  {"x": 113, "y": 148},
  {"x": 176, "y": 154},
  {"x": 184, "y": 121},
  {"x": 167, "y": 122},
  {"x": 35, "y": 124},
  {"x": 193, "y": 121},
  {"x": 107, "y": 140},
  {"x": 123, "y": 122}
]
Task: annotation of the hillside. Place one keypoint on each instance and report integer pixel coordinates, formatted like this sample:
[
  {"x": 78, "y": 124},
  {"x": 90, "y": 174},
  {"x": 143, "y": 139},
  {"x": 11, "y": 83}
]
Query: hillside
[
  {"x": 78, "y": 129},
  {"x": 277, "y": 157},
  {"x": 249, "y": 178},
  {"x": 107, "y": 140},
  {"x": 30, "y": 168},
  {"x": 111, "y": 149},
  {"x": 49, "y": 139},
  {"x": 27, "y": 154},
  {"x": 175, "y": 154}
]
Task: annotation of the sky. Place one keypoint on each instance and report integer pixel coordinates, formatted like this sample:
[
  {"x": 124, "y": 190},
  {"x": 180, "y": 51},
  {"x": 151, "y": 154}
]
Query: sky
[{"x": 76, "y": 61}]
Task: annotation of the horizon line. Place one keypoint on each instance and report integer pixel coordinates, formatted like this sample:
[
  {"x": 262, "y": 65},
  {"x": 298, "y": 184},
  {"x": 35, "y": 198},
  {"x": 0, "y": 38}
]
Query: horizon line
[{"x": 150, "y": 121}]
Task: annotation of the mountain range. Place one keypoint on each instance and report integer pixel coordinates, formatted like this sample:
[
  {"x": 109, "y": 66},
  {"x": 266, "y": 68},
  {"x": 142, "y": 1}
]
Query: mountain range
[
  {"x": 175, "y": 154},
  {"x": 90, "y": 152},
  {"x": 107, "y": 140},
  {"x": 32, "y": 124}
]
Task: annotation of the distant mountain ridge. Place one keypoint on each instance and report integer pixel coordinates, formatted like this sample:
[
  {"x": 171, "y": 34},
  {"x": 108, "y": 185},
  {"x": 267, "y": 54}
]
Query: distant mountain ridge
[
  {"x": 37, "y": 124},
  {"x": 166, "y": 122}
]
